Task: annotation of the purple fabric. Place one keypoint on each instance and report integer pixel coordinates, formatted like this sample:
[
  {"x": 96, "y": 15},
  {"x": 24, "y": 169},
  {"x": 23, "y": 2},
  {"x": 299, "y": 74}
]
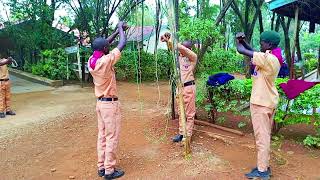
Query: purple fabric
[
  {"x": 277, "y": 53},
  {"x": 294, "y": 88},
  {"x": 95, "y": 56}
]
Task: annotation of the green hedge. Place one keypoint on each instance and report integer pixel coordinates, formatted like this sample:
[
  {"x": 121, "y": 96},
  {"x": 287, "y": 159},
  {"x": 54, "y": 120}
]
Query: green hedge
[
  {"x": 132, "y": 62},
  {"x": 217, "y": 60},
  {"x": 311, "y": 62},
  {"x": 52, "y": 65},
  {"x": 231, "y": 96}
]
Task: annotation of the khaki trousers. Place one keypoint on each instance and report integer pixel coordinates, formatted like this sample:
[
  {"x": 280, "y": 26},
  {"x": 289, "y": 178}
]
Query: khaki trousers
[
  {"x": 189, "y": 98},
  {"x": 5, "y": 96},
  {"x": 109, "y": 119},
  {"x": 262, "y": 121}
]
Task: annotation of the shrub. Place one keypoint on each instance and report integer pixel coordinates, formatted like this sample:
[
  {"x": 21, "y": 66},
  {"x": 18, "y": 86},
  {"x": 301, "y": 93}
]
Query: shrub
[
  {"x": 312, "y": 141},
  {"x": 52, "y": 64},
  {"x": 218, "y": 60},
  {"x": 311, "y": 64},
  {"x": 128, "y": 66},
  {"x": 308, "y": 56},
  {"x": 237, "y": 92}
]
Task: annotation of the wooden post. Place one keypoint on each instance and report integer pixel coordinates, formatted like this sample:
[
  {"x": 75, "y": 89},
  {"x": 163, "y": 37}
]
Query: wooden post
[
  {"x": 67, "y": 67},
  {"x": 212, "y": 112},
  {"x": 83, "y": 70},
  {"x": 292, "y": 74},
  {"x": 173, "y": 112},
  {"x": 318, "y": 74}
]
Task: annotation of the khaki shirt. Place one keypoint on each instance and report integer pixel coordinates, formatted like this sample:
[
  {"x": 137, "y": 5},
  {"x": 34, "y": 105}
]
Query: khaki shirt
[
  {"x": 4, "y": 73},
  {"x": 264, "y": 91},
  {"x": 187, "y": 67},
  {"x": 187, "y": 61},
  {"x": 104, "y": 76}
]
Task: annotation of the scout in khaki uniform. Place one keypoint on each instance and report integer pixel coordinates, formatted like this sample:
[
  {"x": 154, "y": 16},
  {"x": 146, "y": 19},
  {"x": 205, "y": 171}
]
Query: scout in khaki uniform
[
  {"x": 264, "y": 95},
  {"x": 101, "y": 66},
  {"x": 5, "y": 88},
  {"x": 187, "y": 60}
]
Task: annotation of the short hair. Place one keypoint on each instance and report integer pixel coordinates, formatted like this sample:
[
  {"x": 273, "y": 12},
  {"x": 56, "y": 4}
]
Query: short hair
[
  {"x": 188, "y": 43},
  {"x": 99, "y": 44}
]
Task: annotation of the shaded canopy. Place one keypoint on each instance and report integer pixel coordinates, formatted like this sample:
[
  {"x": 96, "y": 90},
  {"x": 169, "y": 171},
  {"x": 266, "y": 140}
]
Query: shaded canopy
[{"x": 309, "y": 10}]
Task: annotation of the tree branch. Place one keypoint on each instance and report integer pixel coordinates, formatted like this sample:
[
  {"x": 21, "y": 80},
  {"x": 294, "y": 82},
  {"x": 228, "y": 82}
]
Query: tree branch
[
  {"x": 208, "y": 41},
  {"x": 223, "y": 12},
  {"x": 113, "y": 9},
  {"x": 258, "y": 10},
  {"x": 272, "y": 20},
  {"x": 127, "y": 12},
  {"x": 238, "y": 13},
  {"x": 246, "y": 13}
]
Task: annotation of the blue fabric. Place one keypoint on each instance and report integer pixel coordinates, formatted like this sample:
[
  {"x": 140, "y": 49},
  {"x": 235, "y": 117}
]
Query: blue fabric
[
  {"x": 219, "y": 79},
  {"x": 284, "y": 71}
]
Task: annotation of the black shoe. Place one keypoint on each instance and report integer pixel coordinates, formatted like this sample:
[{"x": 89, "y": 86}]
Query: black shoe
[
  {"x": 2, "y": 115},
  {"x": 116, "y": 174},
  {"x": 10, "y": 113},
  {"x": 255, "y": 173},
  {"x": 177, "y": 138},
  {"x": 101, "y": 172},
  {"x": 256, "y": 169}
]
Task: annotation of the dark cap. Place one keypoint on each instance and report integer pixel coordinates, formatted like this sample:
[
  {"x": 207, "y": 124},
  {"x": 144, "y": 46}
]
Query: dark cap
[
  {"x": 270, "y": 37},
  {"x": 99, "y": 44}
]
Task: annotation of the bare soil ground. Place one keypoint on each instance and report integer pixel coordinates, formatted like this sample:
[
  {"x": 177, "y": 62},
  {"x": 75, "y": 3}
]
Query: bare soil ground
[{"x": 53, "y": 137}]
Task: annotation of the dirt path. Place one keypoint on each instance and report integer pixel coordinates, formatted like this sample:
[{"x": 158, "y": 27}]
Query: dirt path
[{"x": 53, "y": 137}]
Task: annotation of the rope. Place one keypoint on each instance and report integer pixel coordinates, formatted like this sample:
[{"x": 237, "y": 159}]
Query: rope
[
  {"x": 138, "y": 69},
  {"x": 139, "y": 74},
  {"x": 158, "y": 27}
]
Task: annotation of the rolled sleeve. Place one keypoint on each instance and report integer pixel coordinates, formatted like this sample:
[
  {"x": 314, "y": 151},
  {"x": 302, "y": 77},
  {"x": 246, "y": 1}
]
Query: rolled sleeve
[
  {"x": 259, "y": 59},
  {"x": 188, "y": 53}
]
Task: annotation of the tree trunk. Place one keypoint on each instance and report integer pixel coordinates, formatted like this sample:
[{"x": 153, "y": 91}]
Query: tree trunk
[
  {"x": 299, "y": 54},
  {"x": 318, "y": 75},
  {"x": 296, "y": 28},
  {"x": 258, "y": 5},
  {"x": 277, "y": 28},
  {"x": 272, "y": 20},
  {"x": 224, "y": 27},
  {"x": 285, "y": 27},
  {"x": 198, "y": 9},
  {"x": 298, "y": 44}
]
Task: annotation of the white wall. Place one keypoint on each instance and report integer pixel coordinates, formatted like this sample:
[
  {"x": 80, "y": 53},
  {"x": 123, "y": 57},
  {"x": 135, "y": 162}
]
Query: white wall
[{"x": 151, "y": 43}]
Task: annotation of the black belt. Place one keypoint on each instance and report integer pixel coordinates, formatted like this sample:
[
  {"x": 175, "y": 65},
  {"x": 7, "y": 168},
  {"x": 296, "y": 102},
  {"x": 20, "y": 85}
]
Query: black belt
[
  {"x": 4, "y": 79},
  {"x": 107, "y": 99},
  {"x": 189, "y": 83}
]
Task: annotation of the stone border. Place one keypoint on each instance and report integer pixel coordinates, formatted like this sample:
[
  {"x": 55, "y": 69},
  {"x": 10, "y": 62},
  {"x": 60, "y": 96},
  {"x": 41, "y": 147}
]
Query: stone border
[{"x": 36, "y": 79}]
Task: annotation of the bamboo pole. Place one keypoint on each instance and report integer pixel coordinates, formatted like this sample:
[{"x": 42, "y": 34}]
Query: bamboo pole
[
  {"x": 203, "y": 123},
  {"x": 174, "y": 10}
]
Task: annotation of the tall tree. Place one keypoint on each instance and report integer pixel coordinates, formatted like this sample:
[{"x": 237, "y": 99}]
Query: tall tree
[
  {"x": 206, "y": 43},
  {"x": 93, "y": 16},
  {"x": 285, "y": 24},
  {"x": 41, "y": 10},
  {"x": 247, "y": 19}
]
